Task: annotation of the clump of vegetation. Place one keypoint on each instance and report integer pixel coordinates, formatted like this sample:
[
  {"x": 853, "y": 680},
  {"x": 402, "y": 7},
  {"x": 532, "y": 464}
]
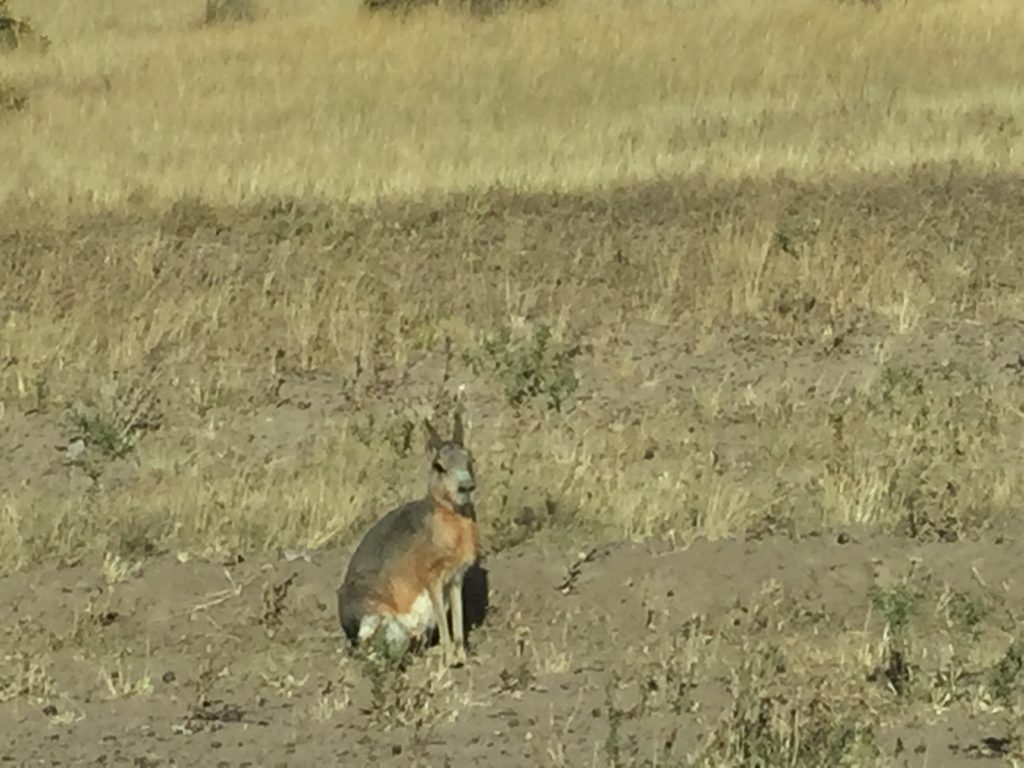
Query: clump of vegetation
[
  {"x": 18, "y": 33},
  {"x": 936, "y": 426},
  {"x": 396, "y": 699},
  {"x": 1007, "y": 677},
  {"x": 105, "y": 433},
  {"x": 12, "y": 99},
  {"x": 108, "y": 429},
  {"x": 226, "y": 11},
  {"x": 770, "y": 723},
  {"x": 897, "y": 605},
  {"x": 529, "y": 366},
  {"x": 398, "y": 433}
]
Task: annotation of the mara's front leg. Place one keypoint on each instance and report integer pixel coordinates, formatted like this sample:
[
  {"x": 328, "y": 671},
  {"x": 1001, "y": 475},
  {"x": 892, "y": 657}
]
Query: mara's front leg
[
  {"x": 441, "y": 617},
  {"x": 458, "y": 626}
]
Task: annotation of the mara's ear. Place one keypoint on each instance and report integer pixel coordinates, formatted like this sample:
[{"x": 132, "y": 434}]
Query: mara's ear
[
  {"x": 434, "y": 440},
  {"x": 458, "y": 431}
]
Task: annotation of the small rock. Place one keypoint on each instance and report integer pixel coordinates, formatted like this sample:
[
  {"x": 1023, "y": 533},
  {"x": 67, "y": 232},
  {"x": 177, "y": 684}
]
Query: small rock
[{"x": 75, "y": 449}]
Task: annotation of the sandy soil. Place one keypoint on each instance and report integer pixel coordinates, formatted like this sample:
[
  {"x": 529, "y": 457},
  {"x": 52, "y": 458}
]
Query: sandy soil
[{"x": 239, "y": 678}]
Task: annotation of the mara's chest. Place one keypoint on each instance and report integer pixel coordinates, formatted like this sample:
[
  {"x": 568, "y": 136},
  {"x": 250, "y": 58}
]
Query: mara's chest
[{"x": 456, "y": 538}]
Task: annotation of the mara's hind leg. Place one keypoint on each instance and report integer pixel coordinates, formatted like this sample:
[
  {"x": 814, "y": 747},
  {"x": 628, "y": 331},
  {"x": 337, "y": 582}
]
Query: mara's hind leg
[{"x": 458, "y": 625}]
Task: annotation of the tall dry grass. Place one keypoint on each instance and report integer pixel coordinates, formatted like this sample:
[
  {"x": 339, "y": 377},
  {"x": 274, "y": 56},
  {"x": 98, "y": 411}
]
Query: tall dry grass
[
  {"x": 752, "y": 360},
  {"x": 320, "y": 98}
]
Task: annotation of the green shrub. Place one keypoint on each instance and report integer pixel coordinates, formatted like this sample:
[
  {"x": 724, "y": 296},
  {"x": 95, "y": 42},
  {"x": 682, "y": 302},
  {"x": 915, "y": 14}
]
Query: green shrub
[{"x": 529, "y": 366}]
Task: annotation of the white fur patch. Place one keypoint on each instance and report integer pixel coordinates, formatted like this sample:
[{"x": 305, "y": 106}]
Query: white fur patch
[{"x": 398, "y": 629}]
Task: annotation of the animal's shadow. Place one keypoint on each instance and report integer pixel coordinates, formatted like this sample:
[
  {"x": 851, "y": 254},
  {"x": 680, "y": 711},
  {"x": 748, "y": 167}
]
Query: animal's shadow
[{"x": 475, "y": 597}]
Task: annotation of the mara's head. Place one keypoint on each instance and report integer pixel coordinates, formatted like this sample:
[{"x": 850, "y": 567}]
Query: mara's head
[{"x": 452, "y": 478}]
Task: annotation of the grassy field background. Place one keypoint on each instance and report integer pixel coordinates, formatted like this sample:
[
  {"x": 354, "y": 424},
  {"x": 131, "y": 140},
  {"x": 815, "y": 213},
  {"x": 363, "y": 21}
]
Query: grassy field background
[
  {"x": 320, "y": 99},
  {"x": 740, "y": 278}
]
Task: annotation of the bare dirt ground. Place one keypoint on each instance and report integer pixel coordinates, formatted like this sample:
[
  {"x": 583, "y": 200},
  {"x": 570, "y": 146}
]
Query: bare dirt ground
[
  {"x": 236, "y": 680},
  {"x": 776, "y": 524}
]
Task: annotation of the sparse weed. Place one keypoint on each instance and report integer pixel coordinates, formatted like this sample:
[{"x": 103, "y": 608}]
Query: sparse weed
[
  {"x": 516, "y": 679},
  {"x": 397, "y": 433},
  {"x": 614, "y": 747},
  {"x": 226, "y": 11},
  {"x": 103, "y": 432},
  {"x": 529, "y": 365},
  {"x": 1007, "y": 677},
  {"x": 121, "y": 681},
  {"x": 12, "y": 98},
  {"x": 963, "y": 612},
  {"x": 770, "y": 724},
  {"x": 111, "y": 426},
  {"x": 395, "y": 699},
  {"x": 19, "y": 33},
  {"x": 897, "y": 605},
  {"x": 333, "y": 697},
  {"x": 275, "y": 604},
  {"x": 936, "y": 429},
  {"x": 23, "y": 674},
  {"x": 115, "y": 569}
]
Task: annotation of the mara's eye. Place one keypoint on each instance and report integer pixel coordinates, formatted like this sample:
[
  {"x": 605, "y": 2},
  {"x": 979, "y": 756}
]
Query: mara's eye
[{"x": 438, "y": 467}]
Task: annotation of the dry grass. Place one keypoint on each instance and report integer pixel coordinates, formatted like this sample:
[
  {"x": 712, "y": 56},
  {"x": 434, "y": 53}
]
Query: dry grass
[
  {"x": 320, "y": 99},
  {"x": 225, "y": 380},
  {"x": 222, "y": 375}
]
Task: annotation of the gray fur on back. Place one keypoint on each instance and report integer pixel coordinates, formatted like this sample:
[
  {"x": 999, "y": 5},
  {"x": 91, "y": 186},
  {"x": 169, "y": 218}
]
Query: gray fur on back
[{"x": 386, "y": 540}]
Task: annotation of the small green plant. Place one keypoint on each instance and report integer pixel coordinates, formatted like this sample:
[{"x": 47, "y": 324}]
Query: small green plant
[
  {"x": 1007, "y": 676},
  {"x": 102, "y": 432},
  {"x": 616, "y": 744},
  {"x": 897, "y": 605},
  {"x": 529, "y": 366},
  {"x": 108, "y": 429},
  {"x": 964, "y": 613}
]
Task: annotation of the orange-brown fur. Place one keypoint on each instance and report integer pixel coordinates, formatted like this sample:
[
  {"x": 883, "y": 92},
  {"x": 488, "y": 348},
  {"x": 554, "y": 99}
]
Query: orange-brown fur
[{"x": 454, "y": 544}]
